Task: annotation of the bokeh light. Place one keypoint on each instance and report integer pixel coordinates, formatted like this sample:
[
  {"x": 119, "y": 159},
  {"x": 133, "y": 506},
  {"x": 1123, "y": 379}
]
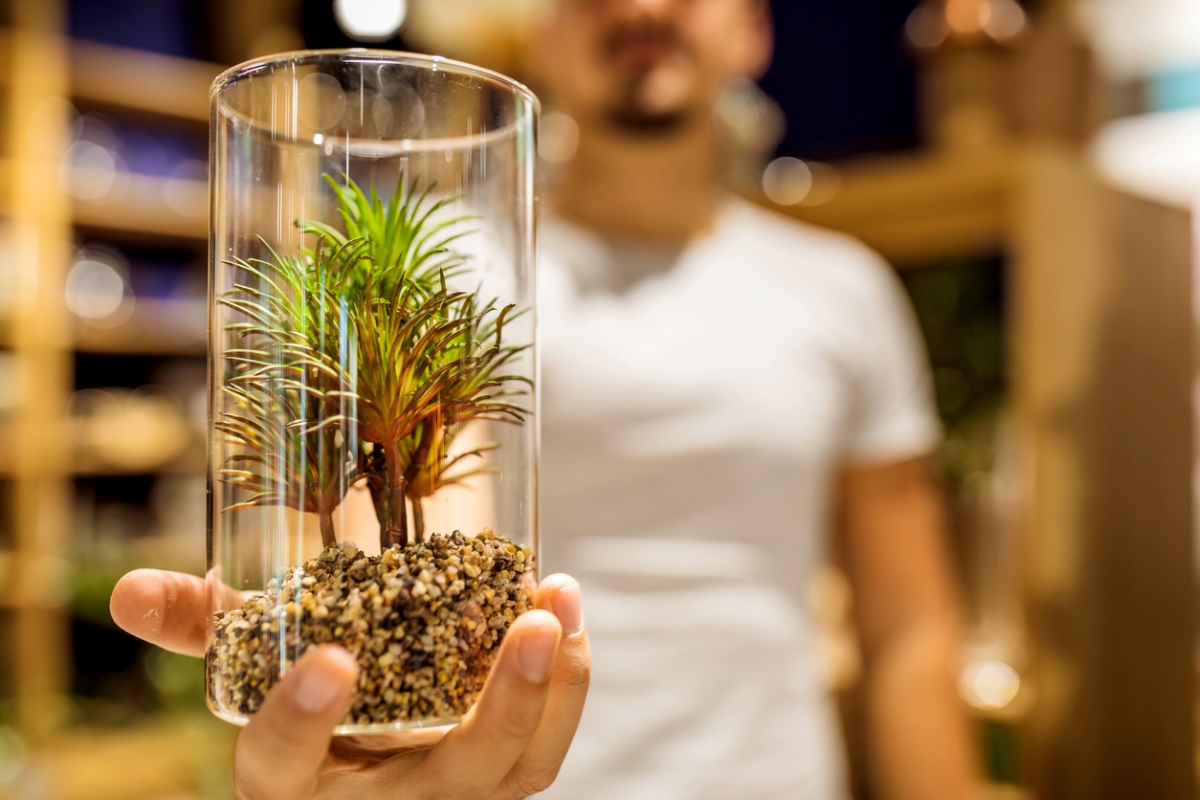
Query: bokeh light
[
  {"x": 787, "y": 181},
  {"x": 931, "y": 22},
  {"x": 558, "y": 137},
  {"x": 96, "y": 287},
  {"x": 926, "y": 26},
  {"x": 88, "y": 171},
  {"x": 186, "y": 191},
  {"x": 965, "y": 17},
  {"x": 1002, "y": 19},
  {"x": 13, "y": 755},
  {"x": 989, "y": 684},
  {"x": 92, "y": 169},
  {"x": 370, "y": 20}
]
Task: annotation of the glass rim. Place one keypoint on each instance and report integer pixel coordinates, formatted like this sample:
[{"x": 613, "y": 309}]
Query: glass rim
[{"x": 365, "y": 54}]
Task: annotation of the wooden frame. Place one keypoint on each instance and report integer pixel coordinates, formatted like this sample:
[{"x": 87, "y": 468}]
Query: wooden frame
[
  {"x": 39, "y": 68},
  {"x": 1101, "y": 334}
]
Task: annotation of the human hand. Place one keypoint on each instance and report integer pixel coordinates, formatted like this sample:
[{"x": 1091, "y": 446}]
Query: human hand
[{"x": 510, "y": 745}]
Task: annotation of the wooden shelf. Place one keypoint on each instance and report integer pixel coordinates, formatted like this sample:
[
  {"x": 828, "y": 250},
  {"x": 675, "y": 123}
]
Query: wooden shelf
[
  {"x": 917, "y": 209},
  {"x": 142, "y": 82},
  {"x": 85, "y": 464},
  {"x": 156, "y": 327},
  {"x": 143, "y": 208},
  {"x": 38, "y": 64}
]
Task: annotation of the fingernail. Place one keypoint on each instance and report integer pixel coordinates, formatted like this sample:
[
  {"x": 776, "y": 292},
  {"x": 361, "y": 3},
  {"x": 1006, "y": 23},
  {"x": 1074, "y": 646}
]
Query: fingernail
[
  {"x": 325, "y": 681},
  {"x": 536, "y": 656},
  {"x": 567, "y": 603}
]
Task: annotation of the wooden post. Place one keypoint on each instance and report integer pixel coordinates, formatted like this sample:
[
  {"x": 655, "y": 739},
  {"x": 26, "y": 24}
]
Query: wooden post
[
  {"x": 1102, "y": 327},
  {"x": 40, "y": 337}
]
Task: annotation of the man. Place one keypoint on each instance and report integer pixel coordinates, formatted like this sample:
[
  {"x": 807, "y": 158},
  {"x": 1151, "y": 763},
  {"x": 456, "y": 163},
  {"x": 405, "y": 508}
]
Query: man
[{"x": 721, "y": 387}]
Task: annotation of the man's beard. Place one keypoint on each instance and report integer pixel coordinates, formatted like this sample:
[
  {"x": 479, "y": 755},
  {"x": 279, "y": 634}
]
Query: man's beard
[
  {"x": 639, "y": 122},
  {"x": 655, "y": 102}
]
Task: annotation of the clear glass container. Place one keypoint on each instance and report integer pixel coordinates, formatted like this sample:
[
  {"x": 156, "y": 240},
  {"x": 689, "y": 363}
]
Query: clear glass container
[{"x": 372, "y": 426}]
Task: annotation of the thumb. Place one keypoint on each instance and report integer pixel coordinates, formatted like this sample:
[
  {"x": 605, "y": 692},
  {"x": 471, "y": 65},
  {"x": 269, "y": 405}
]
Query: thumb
[{"x": 279, "y": 753}]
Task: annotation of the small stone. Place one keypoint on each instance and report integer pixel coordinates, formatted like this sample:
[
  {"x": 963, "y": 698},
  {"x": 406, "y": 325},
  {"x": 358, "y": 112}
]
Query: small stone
[{"x": 424, "y": 644}]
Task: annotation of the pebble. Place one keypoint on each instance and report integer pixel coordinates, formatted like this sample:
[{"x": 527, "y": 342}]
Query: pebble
[{"x": 425, "y": 623}]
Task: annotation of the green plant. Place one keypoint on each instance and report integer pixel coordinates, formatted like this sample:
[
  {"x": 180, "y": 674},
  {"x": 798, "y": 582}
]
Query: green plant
[{"x": 359, "y": 363}]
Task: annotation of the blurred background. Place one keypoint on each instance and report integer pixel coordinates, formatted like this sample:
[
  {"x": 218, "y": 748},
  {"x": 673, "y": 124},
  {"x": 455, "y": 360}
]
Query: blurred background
[{"x": 1030, "y": 168}]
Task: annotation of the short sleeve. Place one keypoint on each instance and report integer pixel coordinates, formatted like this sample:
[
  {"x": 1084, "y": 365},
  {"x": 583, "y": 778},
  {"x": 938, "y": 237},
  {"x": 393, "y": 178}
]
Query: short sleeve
[{"x": 893, "y": 414}]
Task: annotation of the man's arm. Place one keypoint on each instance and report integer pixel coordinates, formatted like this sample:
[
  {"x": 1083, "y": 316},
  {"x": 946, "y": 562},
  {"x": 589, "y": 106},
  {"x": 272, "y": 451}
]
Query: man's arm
[{"x": 893, "y": 538}]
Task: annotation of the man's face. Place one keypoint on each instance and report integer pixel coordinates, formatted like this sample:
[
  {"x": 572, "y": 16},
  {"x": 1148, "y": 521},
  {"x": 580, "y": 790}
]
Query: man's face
[{"x": 649, "y": 66}]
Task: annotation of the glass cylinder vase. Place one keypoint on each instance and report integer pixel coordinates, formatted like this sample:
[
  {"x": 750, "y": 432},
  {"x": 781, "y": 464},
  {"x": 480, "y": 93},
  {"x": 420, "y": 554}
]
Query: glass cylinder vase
[{"x": 372, "y": 426}]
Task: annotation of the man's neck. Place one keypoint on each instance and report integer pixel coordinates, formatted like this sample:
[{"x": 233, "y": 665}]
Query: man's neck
[{"x": 664, "y": 189}]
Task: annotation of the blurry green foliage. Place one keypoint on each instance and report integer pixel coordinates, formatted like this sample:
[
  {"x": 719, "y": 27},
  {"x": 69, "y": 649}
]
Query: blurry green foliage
[
  {"x": 178, "y": 679},
  {"x": 91, "y": 585},
  {"x": 1000, "y": 743},
  {"x": 122, "y": 678},
  {"x": 960, "y": 308}
]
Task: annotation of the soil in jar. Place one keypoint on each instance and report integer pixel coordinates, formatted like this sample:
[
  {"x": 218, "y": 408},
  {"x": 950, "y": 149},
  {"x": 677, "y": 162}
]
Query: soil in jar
[{"x": 424, "y": 621}]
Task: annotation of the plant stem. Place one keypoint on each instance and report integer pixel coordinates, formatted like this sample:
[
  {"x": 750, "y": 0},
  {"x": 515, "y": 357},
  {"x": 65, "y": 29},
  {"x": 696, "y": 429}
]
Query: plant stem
[
  {"x": 328, "y": 536},
  {"x": 397, "y": 525},
  {"x": 379, "y": 499},
  {"x": 420, "y": 461},
  {"x": 418, "y": 520},
  {"x": 371, "y": 465}
]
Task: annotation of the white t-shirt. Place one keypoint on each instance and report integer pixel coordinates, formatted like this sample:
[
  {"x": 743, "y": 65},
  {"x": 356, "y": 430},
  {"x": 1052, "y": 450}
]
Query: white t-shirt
[{"x": 695, "y": 407}]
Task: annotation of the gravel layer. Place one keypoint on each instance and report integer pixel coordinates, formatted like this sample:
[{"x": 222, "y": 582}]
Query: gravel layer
[{"x": 425, "y": 623}]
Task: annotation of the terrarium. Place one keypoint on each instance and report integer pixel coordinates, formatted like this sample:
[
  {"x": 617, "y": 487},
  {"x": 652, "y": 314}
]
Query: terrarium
[{"x": 372, "y": 422}]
